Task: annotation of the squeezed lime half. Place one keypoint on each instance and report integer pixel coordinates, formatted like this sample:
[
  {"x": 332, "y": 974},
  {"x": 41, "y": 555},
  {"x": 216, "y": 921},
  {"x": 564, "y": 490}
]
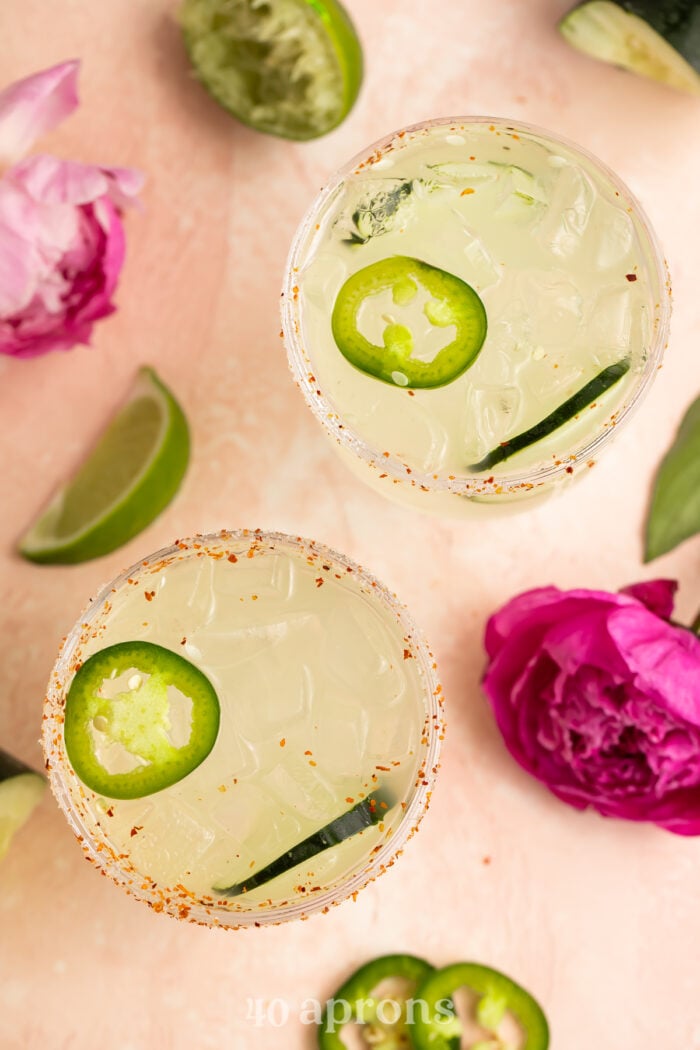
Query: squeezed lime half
[
  {"x": 286, "y": 67},
  {"x": 129, "y": 477}
]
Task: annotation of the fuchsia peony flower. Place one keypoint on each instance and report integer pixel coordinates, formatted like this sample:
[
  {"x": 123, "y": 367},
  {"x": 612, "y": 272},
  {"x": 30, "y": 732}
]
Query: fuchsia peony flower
[
  {"x": 61, "y": 237},
  {"x": 598, "y": 696}
]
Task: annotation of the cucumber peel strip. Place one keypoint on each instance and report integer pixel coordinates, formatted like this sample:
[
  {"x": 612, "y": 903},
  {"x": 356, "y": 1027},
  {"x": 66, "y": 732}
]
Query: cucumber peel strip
[
  {"x": 594, "y": 389},
  {"x": 365, "y": 814}
]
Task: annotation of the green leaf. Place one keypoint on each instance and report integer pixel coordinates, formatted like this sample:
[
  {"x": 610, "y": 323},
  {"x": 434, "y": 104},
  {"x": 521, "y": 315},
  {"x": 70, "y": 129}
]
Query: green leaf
[{"x": 674, "y": 513}]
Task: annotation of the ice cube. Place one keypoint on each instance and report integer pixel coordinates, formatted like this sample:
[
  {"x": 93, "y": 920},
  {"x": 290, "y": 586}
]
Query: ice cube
[
  {"x": 491, "y": 415},
  {"x": 610, "y": 322},
  {"x": 323, "y": 278},
  {"x": 341, "y": 743},
  {"x": 611, "y": 234},
  {"x": 555, "y": 307},
  {"x": 391, "y": 736},
  {"x": 358, "y": 651},
  {"x": 412, "y": 432},
  {"x": 482, "y": 269},
  {"x": 304, "y": 790},
  {"x": 266, "y": 697},
  {"x": 171, "y": 841},
  {"x": 568, "y": 213},
  {"x": 375, "y": 207}
]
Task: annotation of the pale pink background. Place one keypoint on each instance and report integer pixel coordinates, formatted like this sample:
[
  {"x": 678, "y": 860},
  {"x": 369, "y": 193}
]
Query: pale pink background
[{"x": 599, "y": 918}]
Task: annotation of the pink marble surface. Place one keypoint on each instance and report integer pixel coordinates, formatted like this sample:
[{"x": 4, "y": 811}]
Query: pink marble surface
[{"x": 600, "y": 919}]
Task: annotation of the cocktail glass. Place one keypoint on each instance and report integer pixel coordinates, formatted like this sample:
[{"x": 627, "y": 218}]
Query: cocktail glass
[
  {"x": 329, "y": 705},
  {"x": 576, "y": 297}
]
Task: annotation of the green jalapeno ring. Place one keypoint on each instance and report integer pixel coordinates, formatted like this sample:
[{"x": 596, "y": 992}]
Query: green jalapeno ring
[
  {"x": 356, "y": 993},
  {"x": 498, "y": 994},
  {"x": 138, "y": 719},
  {"x": 453, "y": 302}
]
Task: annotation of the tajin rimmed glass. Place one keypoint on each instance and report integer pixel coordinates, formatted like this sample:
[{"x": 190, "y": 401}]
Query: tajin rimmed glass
[
  {"x": 435, "y": 491},
  {"x": 85, "y": 811}
]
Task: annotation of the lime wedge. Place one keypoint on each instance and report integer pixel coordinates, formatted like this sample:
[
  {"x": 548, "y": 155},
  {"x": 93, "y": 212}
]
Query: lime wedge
[
  {"x": 131, "y": 474},
  {"x": 20, "y": 792},
  {"x": 286, "y": 67}
]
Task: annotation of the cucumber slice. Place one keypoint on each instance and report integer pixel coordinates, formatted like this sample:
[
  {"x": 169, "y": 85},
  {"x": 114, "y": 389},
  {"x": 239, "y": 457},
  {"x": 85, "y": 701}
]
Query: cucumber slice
[
  {"x": 21, "y": 789},
  {"x": 364, "y": 815},
  {"x": 566, "y": 412},
  {"x": 659, "y": 39},
  {"x": 286, "y": 67}
]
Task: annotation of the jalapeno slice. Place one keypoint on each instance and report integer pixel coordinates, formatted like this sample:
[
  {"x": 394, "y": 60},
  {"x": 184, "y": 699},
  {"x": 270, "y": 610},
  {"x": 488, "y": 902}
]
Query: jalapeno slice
[
  {"x": 383, "y": 1017},
  {"x": 448, "y": 302},
  {"x": 437, "y": 1027},
  {"x": 138, "y": 718}
]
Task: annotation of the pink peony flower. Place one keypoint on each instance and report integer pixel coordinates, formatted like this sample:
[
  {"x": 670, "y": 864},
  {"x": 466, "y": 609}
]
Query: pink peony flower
[
  {"x": 61, "y": 236},
  {"x": 598, "y": 696}
]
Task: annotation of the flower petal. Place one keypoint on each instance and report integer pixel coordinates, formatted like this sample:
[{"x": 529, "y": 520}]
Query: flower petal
[
  {"x": 31, "y": 107},
  {"x": 50, "y": 180},
  {"x": 657, "y": 595}
]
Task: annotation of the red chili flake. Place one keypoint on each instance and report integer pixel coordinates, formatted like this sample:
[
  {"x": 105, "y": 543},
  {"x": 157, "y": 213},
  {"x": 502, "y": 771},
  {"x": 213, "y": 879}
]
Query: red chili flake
[
  {"x": 135, "y": 830},
  {"x": 384, "y": 769},
  {"x": 486, "y": 860},
  {"x": 569, "y": 470},
  {"x": 283, "y": 741},
  {"x": 232, "y": 558},
  {"x": 308, "y": 752},
  {"x": 349, "y": 799},
  {"x": 631, "y": 276},
  {"x": 319, "y": 581},
  {"x": 407, "y": 654},
  {"x": 150, "y": 595},
  {"x": 110, "y": 812},
  {"x": 76, "y": 667},
  {"x": 465, "y": 193},
  {"x": 183, "y": 641},
  {"x": 383, "y": 805}
]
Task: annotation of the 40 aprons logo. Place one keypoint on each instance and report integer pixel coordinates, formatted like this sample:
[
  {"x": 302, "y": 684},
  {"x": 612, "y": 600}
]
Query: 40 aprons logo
[{"x": 333, "y": 1014}]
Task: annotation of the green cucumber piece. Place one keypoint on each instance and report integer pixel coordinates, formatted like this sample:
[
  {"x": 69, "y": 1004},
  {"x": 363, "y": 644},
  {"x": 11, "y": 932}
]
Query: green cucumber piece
[
  {"x": 285, "y": 67},
  {"x": 589, "y": 393},
  {"x": 21, "y": 789},
  {"x": 365, "y": 814},
  {"x": 659, "y": 39}
]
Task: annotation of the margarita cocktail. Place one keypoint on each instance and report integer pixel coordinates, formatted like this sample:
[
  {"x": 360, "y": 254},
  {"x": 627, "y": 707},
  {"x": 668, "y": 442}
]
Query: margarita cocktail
[
  {"x": 243, "y": 728},
  {"x": 472, "y": 307}
]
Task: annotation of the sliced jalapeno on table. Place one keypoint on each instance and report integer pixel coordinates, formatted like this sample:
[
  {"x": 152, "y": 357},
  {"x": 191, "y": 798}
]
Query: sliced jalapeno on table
[
  {"x": 451, "y": 302},
  {"x": 138, "y": 718},
  {"x": 437, "y": 1027},
  {"x": 357, "y": 1002}
]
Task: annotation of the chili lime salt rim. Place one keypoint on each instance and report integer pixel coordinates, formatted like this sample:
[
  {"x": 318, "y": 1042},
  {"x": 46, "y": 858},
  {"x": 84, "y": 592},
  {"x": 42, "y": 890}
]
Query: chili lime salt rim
[
  {"x": 178, "y": 901},
  {"x": 386, "y": 463}
]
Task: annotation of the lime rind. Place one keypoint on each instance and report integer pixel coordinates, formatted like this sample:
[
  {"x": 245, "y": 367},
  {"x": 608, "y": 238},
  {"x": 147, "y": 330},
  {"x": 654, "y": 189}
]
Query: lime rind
[
  {"x": 130, "y": 476},
  {"x": 21, "y": 790},
  {"x": 291, "y": 68}
]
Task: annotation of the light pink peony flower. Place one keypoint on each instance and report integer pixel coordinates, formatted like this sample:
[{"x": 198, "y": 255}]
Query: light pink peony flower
[
  {"x": 61, "y": 236},
  {"x": 598, "y": 696}
]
